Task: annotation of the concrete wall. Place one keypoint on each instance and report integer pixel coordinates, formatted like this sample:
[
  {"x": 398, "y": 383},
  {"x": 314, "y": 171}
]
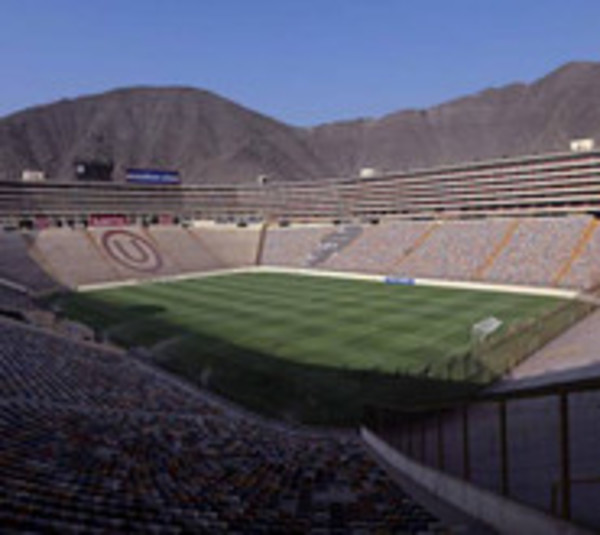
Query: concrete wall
[{"x": 504, "y": 515}]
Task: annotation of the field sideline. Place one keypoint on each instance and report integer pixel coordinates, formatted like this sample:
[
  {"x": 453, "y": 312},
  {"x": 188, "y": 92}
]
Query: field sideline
[{"x": 262, "y": 319}]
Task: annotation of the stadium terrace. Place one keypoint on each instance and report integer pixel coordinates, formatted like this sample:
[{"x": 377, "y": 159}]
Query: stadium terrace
[
  {"x": 400, "y": 353},
  {"x": 560, "y": 183}
]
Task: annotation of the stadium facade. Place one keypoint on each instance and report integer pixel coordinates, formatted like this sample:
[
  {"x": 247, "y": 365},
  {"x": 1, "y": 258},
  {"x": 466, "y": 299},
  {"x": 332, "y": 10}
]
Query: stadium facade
[{"x": 540, "y": 184}]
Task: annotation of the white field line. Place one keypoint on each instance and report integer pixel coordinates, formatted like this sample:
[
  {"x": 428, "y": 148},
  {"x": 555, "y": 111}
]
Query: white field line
[
  {"x": 501, "y": 288},
  {"x": 320, "y": 273},
  {"x": 438, "y": 283},
  {"x": 167, "y": 278}
]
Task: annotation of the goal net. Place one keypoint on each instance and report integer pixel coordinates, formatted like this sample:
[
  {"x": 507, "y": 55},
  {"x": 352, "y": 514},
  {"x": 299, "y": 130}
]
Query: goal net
[{"x": 482, "y": 331}]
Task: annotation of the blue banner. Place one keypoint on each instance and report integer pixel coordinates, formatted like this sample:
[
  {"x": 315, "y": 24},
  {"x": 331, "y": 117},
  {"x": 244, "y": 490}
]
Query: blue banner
[
  {"x": 405, "y": 281},
  {"x": 152, "y": 176}
]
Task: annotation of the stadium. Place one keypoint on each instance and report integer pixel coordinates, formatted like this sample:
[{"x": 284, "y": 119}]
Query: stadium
[{"x": 354, "y": 355}]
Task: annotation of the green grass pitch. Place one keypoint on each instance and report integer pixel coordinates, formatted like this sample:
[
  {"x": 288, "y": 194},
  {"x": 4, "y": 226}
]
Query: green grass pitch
[{"x": 250, "y": 335}]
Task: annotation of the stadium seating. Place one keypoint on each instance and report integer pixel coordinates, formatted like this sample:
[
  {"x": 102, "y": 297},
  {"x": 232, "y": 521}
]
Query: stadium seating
[
  {"x": 72, "y": 257},
  {"x": 585, "y": 270},
  {"x": 541, "y": 251},
  {"x": 182, "y": 247},
  {"x": 548, "y": 184},
  {"x": 293, "y": 247},
  {"x": 538, "y": 249},
  {"x": 97, "y": 442},
  {"x": 544, "y": 251},
  {"x": 233, "y": 247},
  {"x": 17, "y": 265},
  {"x": 380, "y": 247},
  {"x": 456, "y": 249},
  {"x": 11, "y": 300},
  {"x": 77, "y": 257},
  {"x": 333, "y": 243}
]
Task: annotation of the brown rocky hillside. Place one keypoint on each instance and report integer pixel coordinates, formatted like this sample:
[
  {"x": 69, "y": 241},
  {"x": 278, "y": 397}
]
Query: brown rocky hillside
[{"x": 213, "y": 140}]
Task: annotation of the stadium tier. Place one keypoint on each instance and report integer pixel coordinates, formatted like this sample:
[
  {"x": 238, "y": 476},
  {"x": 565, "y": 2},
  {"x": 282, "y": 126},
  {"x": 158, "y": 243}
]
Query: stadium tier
[
  {"x": 75, "y": 257},
  {"x": 542, "y": 251},
  {"x": 382, "y": 247},
  {"x": 232, "y": 247},
  {"x": 14, "y": 300},
  {"x": 96, "y": 442},
  {"x": 557, "y": 251},
  {"x": 18, "y": 268},
  {"x": 552, "y": 183},
  {"x": 293, "y": 247}
]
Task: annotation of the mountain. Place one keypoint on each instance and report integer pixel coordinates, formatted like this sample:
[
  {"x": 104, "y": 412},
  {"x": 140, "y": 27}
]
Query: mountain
[
  {"x": 206, "y": 137},
  {"x": 213, "y": 140},
  {"x": 518, "y": 119}
]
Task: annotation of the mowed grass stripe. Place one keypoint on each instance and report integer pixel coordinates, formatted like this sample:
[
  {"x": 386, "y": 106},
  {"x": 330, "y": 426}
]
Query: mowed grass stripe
[
  {"x": 320, "y": 338},
  {"x": 221, "y": 316},
  {"x": 331, "y": 322}
]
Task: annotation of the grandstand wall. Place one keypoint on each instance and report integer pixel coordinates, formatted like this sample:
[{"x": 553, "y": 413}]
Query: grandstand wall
[
  {"x": 544, "y": 184},
  {"x": 79, "y": 257},
  {"x": 545, "y": 252},
  {"x": 535, "y": 445},
  {"x": 492, "y": 509}
]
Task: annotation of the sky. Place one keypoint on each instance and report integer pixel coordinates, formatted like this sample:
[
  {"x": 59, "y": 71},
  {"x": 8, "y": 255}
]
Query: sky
[{"x": 304, "y": 62}]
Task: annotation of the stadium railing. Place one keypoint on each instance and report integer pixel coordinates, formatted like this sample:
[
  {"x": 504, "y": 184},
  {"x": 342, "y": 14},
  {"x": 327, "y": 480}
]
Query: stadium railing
[{"x": 538, "y": 446}]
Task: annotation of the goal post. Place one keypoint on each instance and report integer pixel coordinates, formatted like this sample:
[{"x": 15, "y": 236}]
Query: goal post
[{"x": 482, "y": 331}]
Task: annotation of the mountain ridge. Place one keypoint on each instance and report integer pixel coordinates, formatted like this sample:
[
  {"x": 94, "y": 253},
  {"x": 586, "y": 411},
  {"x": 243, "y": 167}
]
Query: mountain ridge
[{"x": 212, "y": 139}]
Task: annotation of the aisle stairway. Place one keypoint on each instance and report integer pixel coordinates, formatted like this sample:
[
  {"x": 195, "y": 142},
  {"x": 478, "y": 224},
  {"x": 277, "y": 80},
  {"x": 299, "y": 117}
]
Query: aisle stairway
[{"x": 332, "y": 244}]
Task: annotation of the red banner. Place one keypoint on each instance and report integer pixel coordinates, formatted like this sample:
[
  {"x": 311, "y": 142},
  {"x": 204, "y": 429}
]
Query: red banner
[{"x": 107, "y": 220}]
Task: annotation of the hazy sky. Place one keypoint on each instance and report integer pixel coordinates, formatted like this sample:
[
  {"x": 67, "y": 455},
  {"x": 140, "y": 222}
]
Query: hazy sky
[{"x": 300, "y": 61}]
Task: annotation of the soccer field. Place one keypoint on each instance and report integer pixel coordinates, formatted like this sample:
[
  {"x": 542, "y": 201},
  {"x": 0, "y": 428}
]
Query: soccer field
[
  {"x": 311, "y": 320},
  {"x": 243, "y": 326}
]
